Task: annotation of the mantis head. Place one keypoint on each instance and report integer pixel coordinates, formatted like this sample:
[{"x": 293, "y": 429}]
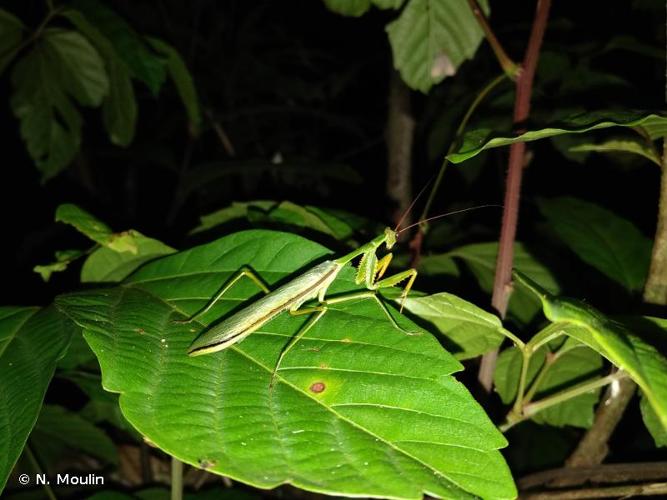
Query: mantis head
[{"x": 389, "y": 237}]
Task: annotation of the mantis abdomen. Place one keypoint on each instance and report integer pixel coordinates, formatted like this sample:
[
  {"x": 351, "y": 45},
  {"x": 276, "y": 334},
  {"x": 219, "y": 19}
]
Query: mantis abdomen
[{"x": 290, "y": 296}]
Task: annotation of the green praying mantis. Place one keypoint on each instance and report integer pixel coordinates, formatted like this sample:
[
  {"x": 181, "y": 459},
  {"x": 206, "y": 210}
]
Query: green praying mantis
[{"x": 313, "y": 284}]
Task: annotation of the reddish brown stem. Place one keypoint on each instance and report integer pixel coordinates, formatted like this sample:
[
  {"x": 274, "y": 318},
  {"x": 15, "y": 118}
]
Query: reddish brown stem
[
  {"x": 524, "y": 89},
  {"x": 509, "y": 67}
]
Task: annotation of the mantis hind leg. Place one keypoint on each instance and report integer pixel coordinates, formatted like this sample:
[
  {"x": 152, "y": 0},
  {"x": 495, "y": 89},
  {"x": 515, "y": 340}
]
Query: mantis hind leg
[
  {"x": 410, "y": 275},
  {"x": 244, "y": 271},
  {"x": 320, "y": 311},
  {"x": 371, "y": 294}
]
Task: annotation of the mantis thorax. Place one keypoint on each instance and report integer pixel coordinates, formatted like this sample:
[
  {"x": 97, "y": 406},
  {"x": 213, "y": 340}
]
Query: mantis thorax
[{"x": 389, "y": 237}]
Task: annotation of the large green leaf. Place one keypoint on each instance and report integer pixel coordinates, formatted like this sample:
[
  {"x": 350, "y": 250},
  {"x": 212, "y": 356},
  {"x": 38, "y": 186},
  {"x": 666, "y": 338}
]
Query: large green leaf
[
  {"x": 438, "y": 265},
  {"x": 108, "y": 265},
  {"x": 359, "y": 407},
  {"x": 653, "y": 424},
  {"x": 117, "y": 257},
  {"x": 633, "y": 145},
  {"x": 602, "y": 239},
  {"x": 296, "y": 215},
  {"x": 95, "y": 229},
  {"x": 337, "y": 223},
  {"x": 640, "y": 359},
  {"x": 119, "y": 109},
  {"x": 468, "y": 330},
  {"x": 50, "y": 123},
  {"x": 481, "y": 259},
  {"x": 476, "y": 141},
  {"x": 237, "y": 210},
  {"x": 62, "y": 66},
  {"x": 130, "y": 47},
  {"x": 82, "y": 70},
  {"x": 182, "y": 79},
  {"x": 31, "y": 342},
  {"x": 432, "y": 38},
  {"x": 655, "y": 127},
  {"x": 11, "y": 34}
]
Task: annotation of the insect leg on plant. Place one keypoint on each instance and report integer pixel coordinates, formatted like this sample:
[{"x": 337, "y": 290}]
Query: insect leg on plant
[{"x": 245, "y": 271}]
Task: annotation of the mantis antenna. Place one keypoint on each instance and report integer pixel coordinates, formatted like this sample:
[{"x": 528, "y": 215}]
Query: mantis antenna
[{"x": 469, "y": 209}]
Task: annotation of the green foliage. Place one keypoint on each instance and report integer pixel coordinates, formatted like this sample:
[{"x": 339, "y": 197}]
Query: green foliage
[
  {"x": 130, "y": 47},
  {"x": 353, "y": 8},
  {"x": 102, "y": 405},
  {"x": 436, "y": 437},
  {"x": 11, "y": 35},
  {"x": 58, "y": 429},
  {"x": 91, "y": 66},
  {"x": 339, "y": 224},
  {"x": 653, "y": 423},
  {"x": 119, "y": 109},
  {"x": 481, "y": 259},
  {"x": 633, "y": 145},
  {"x": 63, "y": 259},
  {"x": 356, "y": 8},
  {"x": 431, "y": 39},
  {"x": 476, "y": 141},
  {"x": 31, "y": 342},
  {"x": 107, "y": 264},
  {"x": 358, "y": 408},
  {"x": 468, "y": 330},
  {"x": 50, "y": 123},
  {"x": 117, "y": 255},
  {"x": 508, "y": 371},
  {"x": 184, "y": 84},
  {"x": 640, "y": 359},
  {"x": 559, "y": 365},
  {"x": 95, "y": 229},
  {"x": 602, "y": 239}
]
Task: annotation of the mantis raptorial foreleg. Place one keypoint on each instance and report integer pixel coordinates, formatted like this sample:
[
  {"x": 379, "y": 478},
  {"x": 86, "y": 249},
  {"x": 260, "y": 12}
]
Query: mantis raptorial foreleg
[{"x": 371, "y": 269}]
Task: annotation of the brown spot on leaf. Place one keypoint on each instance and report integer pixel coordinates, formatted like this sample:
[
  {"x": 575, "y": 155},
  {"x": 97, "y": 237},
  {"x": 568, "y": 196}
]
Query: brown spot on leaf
[{"x": 318, "y": 387}]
